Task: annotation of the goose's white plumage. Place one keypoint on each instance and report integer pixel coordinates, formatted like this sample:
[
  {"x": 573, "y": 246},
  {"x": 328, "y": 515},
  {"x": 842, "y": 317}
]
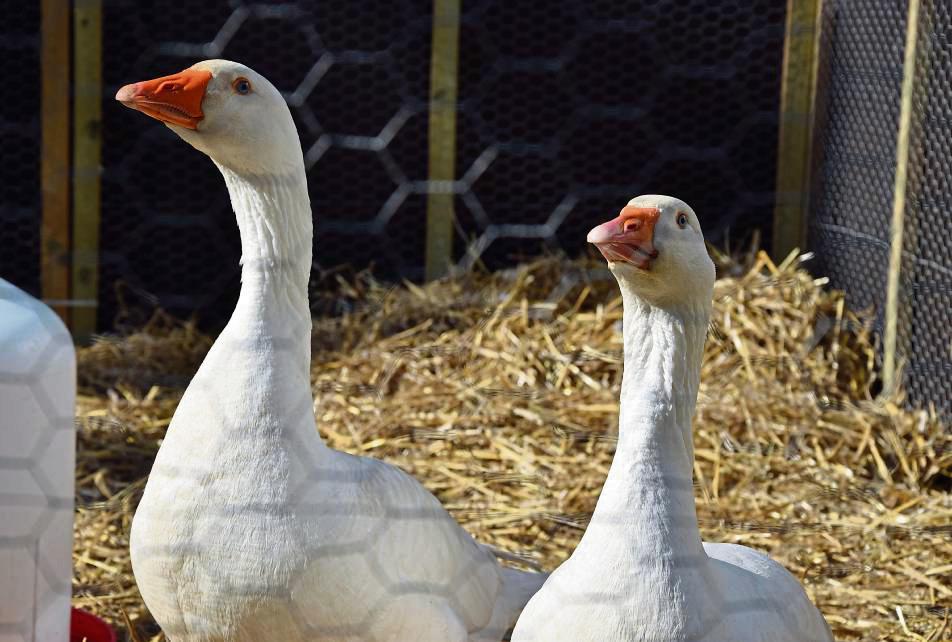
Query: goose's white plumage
[
  {"x": 251, "y": 529},
  {"x": 641, "y": 571}
]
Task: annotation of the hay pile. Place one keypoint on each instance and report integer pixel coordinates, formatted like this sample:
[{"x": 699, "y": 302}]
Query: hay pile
[{"x": 499, "y": 393}]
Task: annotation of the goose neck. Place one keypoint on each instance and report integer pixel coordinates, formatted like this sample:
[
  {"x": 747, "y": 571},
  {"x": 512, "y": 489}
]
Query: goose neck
[
  {"x": 649, "y": 494},
  {"x": 274, "y": 220},
  {"x": 663, "y": 349}
]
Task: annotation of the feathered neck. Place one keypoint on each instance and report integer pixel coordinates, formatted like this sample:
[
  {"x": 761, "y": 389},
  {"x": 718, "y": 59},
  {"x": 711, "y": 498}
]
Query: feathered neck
[
  {"x": 274, "y": 220},
  {"x": 650, "y": 481},
  {"x": 663, "y": 348},
  {"x": 645, "y": 522}
]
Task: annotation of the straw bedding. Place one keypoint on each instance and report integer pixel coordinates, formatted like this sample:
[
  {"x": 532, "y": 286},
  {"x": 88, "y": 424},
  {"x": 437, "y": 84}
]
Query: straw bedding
[{"x": 499, "y": 392}]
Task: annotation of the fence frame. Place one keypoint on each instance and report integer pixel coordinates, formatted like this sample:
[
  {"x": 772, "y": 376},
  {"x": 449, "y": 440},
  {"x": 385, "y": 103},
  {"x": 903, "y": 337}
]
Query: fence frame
[
  {"x": 55, "y": 243},
  {"x": 796, "y": 162},
  {"x": 444, "y": 82},
  {"x": 797, "y": 123},
  {"x": 87, "y": 148},
  {"x": 77, "y": 284}
]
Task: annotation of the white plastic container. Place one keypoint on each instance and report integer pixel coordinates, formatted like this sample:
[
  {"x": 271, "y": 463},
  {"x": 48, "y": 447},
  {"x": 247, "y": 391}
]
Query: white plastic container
[{"x": 37, "y": 469}]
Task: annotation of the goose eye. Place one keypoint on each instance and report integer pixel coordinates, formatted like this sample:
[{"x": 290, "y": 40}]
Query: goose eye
[
  {"x": 242, "y": 86},
  {"x": 682, "y": 220}
]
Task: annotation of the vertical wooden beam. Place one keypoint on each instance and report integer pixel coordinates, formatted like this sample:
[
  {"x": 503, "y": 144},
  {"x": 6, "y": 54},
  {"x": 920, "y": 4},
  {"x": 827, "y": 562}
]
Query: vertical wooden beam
[
  {"x": 891, "y": 352},
  {"x": 54, "y": 162},
  {"x": 87, "y": 142},
  {"x": 797, "y": 95},
  {"x": 444, "y": 67}
]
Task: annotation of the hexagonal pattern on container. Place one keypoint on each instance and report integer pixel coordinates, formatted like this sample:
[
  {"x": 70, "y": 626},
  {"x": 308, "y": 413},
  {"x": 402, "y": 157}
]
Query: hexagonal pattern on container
[{"x": 37, "y": 455}]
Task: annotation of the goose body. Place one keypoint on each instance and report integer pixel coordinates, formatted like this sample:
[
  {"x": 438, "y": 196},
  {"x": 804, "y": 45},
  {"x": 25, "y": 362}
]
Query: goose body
[
  {"x": 641, "y": 572},
  {"x": 250, "y": 528}
]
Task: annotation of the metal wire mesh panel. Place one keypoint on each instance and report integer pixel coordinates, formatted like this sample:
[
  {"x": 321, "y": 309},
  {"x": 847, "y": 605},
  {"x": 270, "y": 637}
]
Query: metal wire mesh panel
[
  {"x": 566, "y": 110},
  {"x": 860, "y": 79},
  {"x": 353, "y": 78},
  {"x": 928, "y": 221},
  {"x": 20, "y": 151}
]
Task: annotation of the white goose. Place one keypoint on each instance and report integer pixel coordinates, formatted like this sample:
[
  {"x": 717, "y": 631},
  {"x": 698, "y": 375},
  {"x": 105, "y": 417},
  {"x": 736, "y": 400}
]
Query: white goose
[
  {"x": 251, "y": 529},
  {"x": 641, "y": 571}
]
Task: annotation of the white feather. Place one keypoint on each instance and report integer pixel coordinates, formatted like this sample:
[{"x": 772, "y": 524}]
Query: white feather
[
  {"x": 250, "y": 528},
  {"x": 641, "y": 572}
]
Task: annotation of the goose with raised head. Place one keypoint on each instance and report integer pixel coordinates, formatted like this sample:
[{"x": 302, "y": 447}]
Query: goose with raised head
[
  {"x": 641, "y": 572},
  {"x": 250, "y": 528}
]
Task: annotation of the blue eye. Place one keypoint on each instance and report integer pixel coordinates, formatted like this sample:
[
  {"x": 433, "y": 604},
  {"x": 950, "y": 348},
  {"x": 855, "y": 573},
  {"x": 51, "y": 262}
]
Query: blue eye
[
  {"x": 682, "y": 220},
  {"x": 242, "y": 86}
]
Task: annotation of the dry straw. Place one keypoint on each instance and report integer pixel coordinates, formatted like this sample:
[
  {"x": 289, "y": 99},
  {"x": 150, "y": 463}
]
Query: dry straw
[{"x": 499, "y": 392}]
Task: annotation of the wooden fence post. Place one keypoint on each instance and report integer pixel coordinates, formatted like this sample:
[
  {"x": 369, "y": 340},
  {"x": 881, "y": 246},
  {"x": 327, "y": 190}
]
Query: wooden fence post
[
  {"x": 444, "y": 68},
  {"x": 87, "y": 143},
  {"x": 797, "y": 97},
  {"x": 54, "y": 160}
]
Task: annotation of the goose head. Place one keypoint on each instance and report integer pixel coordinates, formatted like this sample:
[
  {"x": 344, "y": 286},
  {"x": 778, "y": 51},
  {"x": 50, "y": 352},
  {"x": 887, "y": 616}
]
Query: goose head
[
  {"x": 655, "y": 249},
  {"x": 225, "y": 110}
]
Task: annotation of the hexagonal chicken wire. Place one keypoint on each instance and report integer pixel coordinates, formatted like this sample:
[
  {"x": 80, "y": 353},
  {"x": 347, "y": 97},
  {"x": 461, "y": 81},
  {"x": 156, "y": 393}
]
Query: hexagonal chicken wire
[{"x": 565, "y": 111}]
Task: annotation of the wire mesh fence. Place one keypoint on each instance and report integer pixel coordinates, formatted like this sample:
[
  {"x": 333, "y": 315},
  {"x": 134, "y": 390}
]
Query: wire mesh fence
[
  {"x": 565, "y": 111},
  {"x": 928, "y": 227},
  {"x": 20, "y": 151},
  {"x": 859, "y": 85}
]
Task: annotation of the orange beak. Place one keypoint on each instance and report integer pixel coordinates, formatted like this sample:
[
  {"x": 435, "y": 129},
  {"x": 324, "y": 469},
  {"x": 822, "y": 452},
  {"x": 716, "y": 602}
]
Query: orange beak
[
  {"x": 175, "y": 99},
  {"x": 629, "y": 237}
]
